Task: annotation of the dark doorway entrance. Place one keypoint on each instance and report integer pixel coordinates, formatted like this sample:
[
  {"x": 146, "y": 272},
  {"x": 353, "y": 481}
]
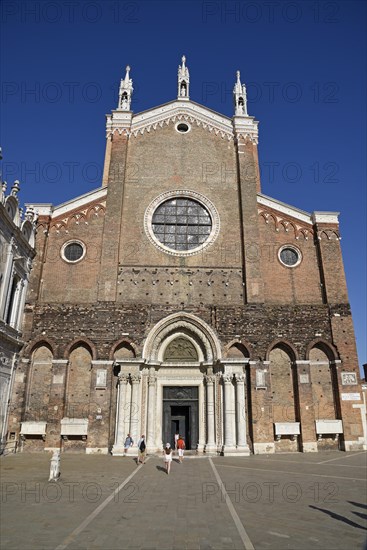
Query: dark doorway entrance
[
  {"x": 180, "y": 422},
  {"x": 181, "y": 414}
]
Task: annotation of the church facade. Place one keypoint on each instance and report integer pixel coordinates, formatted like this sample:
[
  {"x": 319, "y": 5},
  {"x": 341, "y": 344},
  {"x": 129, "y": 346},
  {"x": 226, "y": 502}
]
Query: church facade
[{"x": 179, "y": 298}]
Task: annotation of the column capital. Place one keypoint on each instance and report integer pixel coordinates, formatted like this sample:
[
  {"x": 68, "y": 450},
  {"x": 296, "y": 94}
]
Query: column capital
[
  {"x": 123, "y": 378},
  {"x": 227, "y": 378},
  {"x": 152, "y": 379},
  {"x": 209, "y": 378},
  {"x": 240, "y": 378},
  {"x": 135, "y": 378}
]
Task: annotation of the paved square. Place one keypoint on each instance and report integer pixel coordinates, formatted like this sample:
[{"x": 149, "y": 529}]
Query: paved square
[{"x": 280, "y": 501}]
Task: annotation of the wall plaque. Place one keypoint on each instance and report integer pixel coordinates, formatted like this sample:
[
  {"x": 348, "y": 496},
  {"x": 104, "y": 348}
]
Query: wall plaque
[
  {"x": 260, "y": 378},
  {"x": 349, "y": 379},
  {"x": 58, "y": 379},
  {"x": 101, "y": 381},
  {"x": 351, "y": 396}
]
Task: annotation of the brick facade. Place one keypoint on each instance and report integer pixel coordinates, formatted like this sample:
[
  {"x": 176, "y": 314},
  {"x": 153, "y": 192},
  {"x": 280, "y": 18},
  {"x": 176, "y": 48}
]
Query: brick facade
[{"x": 90, "y": 324}]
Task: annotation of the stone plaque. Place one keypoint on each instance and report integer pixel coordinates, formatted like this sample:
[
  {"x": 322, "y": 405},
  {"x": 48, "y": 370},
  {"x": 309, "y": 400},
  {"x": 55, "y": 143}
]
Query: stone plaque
[
  {"x": 304, "y": 378},
  {"x": 101, "y": 381},
  {"x": 19, "y": 377},
  {"x": 349, "y": 379},
  {"x": 260, "y": 378},
  {"x": 58, "y": 379},
  {"x": 351, "y": 396}
]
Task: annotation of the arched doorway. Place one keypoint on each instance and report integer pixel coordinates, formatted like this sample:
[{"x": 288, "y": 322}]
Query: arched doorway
[{"x": 180, "y": 351}]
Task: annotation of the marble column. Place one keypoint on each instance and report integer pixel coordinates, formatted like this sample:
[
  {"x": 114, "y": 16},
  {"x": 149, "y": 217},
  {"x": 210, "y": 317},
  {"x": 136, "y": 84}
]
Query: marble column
[
  {"x": 135, "y": 407},
  {"x": 120, "y": 435},
  {"x": 242, "y": 446},
  {"x": 152, "y": 390},
  {"x": 210, "y": 416},
  {"x": 229, "y": 415}
]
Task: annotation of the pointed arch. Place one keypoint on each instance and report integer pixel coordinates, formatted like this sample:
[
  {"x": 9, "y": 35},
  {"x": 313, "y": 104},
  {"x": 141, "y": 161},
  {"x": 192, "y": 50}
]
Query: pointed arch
[
  {"x": 84, "y": 342},
  {"x": 40, "y": 341},
  {"x": 124, "y": 344},
  {"x": 39, "y": 382},
  {"x": 324, "y": 346},
  {"x": 79, "y": 380},
  {"x": 237, "y": 348},
  {"x": 285, "y": 345}
]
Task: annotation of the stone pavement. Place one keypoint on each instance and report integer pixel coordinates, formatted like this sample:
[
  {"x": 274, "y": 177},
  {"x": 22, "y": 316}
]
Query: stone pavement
[{"x": 296, "y": 501}]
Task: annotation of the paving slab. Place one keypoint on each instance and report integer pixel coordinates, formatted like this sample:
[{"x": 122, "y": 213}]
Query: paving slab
[{"x": 103, "y": 502}]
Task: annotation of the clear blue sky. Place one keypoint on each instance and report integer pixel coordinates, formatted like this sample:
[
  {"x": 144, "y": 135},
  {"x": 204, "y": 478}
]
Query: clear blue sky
[{"x": 304, "y": 64}]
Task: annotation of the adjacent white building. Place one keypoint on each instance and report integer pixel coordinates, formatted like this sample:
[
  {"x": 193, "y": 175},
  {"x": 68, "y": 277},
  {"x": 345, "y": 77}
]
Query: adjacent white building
[{"x": 17, "y": 233}]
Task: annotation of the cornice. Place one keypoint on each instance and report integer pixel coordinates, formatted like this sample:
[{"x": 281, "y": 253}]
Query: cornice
[
  {"x": 79, "y": 215},
  {"x": 284, "y": 208},
  {"x": 286, "y": 223},
  {"x": 175, "y": 111}
]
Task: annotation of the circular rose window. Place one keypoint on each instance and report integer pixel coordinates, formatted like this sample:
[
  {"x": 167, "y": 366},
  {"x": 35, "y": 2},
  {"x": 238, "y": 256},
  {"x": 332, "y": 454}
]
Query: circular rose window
[{"x": 181, "y": 223}]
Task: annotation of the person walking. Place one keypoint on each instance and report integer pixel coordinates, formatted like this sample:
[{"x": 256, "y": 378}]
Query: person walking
[
  {"x": 167, "y": 453},
  {"x": 177, "y": 435},
  {"x": 129, "y": 442},
  {"x": 142, "y": 450},
  {"x": 181, "y": 447}
]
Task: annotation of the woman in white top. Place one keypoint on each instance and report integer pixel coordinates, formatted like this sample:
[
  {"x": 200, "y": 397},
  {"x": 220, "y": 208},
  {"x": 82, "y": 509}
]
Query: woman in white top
[{"x": 167, "y": 453}]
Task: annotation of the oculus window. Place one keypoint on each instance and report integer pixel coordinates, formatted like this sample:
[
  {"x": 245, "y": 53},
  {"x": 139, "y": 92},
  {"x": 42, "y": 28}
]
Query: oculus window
[
  {"x": 73, "y": 251},
  {"x": 289, "y": 256}
]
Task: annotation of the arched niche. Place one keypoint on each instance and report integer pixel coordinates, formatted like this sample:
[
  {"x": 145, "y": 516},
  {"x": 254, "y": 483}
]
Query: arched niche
[
  {"x": 237, "y": 351},
  {"x": 283, "y": 383},
  {"x": 79, "y": 381},
  {"x": 39, "y": 383},
  {"x": 124, "y": 351},
  {"x": 323, "y": 379}
]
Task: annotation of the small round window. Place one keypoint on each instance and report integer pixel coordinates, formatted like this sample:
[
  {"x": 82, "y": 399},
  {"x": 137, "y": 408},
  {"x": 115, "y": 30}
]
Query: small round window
[
  {"x": 182, "y": 127},
  {"x": 290, "y": 256},
  {"x": 73, "y": 251}
]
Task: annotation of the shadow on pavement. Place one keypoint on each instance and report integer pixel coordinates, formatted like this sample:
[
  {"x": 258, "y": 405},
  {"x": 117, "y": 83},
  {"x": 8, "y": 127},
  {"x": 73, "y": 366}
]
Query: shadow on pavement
[{"x": 339, "y": 517}]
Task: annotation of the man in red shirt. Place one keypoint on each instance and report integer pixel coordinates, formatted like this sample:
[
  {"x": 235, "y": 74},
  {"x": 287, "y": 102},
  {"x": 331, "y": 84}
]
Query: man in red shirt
[{"x": 181, "y": 447}]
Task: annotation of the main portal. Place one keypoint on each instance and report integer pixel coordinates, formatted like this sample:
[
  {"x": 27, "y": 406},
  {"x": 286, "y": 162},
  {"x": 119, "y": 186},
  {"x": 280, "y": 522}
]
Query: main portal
[{"x": 181, "y": 415}]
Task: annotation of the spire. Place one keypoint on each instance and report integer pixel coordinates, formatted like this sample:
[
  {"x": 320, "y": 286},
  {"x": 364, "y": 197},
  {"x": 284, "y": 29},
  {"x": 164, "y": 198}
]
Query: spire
[
  {"x": 183, "y": 80},
  {"x": 125, "y": 92},
  {"x": 240, "y": 97}
]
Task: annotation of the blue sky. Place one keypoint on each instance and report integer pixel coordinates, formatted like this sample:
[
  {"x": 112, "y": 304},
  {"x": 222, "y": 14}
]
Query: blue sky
[{"x": 303, "y": 63}]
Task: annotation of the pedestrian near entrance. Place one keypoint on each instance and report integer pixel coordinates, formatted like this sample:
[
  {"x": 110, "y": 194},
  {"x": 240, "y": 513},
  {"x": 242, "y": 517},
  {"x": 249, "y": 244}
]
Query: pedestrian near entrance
[
  {"x": 181, "y": 447},
  {"x": 129, "y": 442},
  {"x": 142, "y": 450},
  {"x": 177, "y": 435},
  {"x": 167, "y": 454}
]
